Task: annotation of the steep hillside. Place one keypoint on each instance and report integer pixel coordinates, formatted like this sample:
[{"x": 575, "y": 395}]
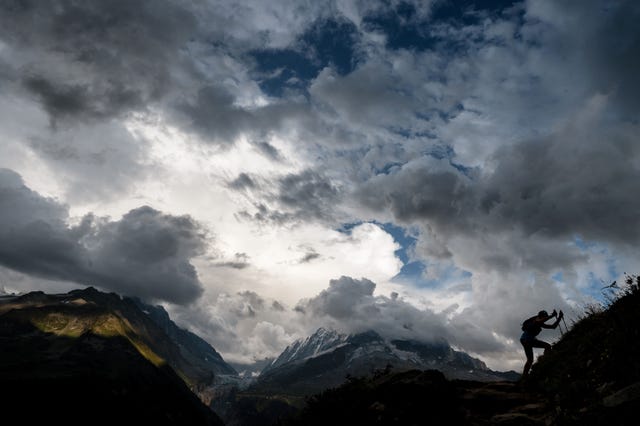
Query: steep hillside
[
  {"x": 155, "y": 336},
  {"x": 104, "y": 357},
  {"x": 193, "y": 348},
  {"x": 593, "y": 372}
]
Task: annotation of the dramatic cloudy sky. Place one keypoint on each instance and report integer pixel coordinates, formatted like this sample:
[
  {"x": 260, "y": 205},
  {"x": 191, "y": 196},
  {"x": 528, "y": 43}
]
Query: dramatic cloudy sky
[{"x": 262, "y": 168}]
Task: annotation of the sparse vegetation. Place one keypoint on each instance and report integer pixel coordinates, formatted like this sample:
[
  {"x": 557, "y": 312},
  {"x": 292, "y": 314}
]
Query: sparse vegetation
[{"x": 598, "y": 356}]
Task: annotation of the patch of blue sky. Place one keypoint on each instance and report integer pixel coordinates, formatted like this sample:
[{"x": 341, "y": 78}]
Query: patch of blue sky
[
  {"x": 346, "y": 228},
  {"x": 403, "y": 237},
  {"x": 405, "y": 28},
  {"x": 580, "y": 243},
  {"x": 596, "y": 285},
  {"x": 400, "y": 131},
  {"x": 333, "y": 43},
  {"x": 327, "y": 43},
  {"x": 465, "y": 170},
  {"x": 558, "y": 277},
  {"x": 412, "y": 271},
  {"x": 426, "y": 134},
  {"x": 401, "y": 27},
  {"x": 585, "y": 246},
  {"x": 468, "y": 12},
  {"x": 440, "y": 152},
  {"x": 388, "y": 168},
  {"x": 414, "y": 274},
  {"x": 446, "y": 152},
  {"x": 281, "y": 69}
]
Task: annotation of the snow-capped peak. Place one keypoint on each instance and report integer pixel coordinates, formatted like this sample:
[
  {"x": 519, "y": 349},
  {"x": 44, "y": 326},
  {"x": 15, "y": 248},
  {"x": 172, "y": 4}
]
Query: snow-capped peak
[{"x": 320, "y": 341}]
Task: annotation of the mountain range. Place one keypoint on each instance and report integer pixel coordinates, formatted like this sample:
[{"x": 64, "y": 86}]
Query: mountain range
[
  {"x": 105, "y": 350},
  {"x": 326, "y": 358},
  {"x": 590, "y": 377},
  {"x": 100, "y": 358}
]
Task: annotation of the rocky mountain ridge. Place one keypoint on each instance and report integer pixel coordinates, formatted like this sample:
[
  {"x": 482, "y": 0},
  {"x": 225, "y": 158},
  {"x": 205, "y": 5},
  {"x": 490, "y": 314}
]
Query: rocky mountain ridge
[
  {"x": 147, "y": 327},
  {"x": 91, "y": 357},
  {"x": 324, "y": 360}
]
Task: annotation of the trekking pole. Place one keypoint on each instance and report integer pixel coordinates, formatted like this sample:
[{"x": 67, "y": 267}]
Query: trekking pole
[
  {"x": 565, "y": 324},
  {"x": 559, "y": 326}
]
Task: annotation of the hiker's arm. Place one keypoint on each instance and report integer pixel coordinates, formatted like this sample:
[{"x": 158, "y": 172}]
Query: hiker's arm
[{"x": 555, "y": 324}]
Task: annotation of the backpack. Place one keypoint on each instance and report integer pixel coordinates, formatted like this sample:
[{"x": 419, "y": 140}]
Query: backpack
[{"x": 529, "y": 324}]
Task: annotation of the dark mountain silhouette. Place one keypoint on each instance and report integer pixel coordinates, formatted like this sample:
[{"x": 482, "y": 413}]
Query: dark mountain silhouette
[
  {"x": 91, "y": 357},
  {"x": 590, "y": 377}
]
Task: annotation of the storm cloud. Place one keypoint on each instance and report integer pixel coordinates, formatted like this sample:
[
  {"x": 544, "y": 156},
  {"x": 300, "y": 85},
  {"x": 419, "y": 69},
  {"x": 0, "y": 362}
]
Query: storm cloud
[
  {"x": 146, "y": 253},
  {"x": 94, "y": 60}
]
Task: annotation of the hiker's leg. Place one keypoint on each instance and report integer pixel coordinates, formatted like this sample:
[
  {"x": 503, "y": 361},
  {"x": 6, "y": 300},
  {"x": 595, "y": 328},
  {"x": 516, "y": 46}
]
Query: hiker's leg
[
  {"x": 540, "y": 344},
  {"x": 528, "y": 350}
]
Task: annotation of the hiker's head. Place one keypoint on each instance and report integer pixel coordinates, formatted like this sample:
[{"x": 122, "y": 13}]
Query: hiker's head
[{"x": 543, "y": 314}]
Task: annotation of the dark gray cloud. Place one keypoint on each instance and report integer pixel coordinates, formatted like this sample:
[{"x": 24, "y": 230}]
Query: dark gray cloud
[
  {"x": 69, "y": 100},
  {"x": 269, "y": 150},
  {"x": 571, "y": 184},
  {"x": 95, "y": 162},
  {"x": 20, "y": 205},
  {"x": 578, "y": 182},
  {"x": 565, "y": 172},
  {"x": 309, "y": 194},
  {"x": 309, "y": 257},
  {"x": 425, "y": 189},
  {"x": 298, "y": 198},
  {"x": 214, "y": 115},
  {"x": 344, "y": 296},
  {"x": 95, "y": 59},
  {"x": 89, "y": 66},
  {"x": 599, "y": 40},
  {"x": 146, "y": 253},
  {"x": 373, "y": 94},
  {"x": 243, "y": 181},
  {"x": 35, "y": 237},
  {"x": 266, "y": 215}
]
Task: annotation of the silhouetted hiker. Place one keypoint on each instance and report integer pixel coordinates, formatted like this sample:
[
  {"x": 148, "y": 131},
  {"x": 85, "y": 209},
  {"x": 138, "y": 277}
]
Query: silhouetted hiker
[{"x": 531, "y": 328}]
